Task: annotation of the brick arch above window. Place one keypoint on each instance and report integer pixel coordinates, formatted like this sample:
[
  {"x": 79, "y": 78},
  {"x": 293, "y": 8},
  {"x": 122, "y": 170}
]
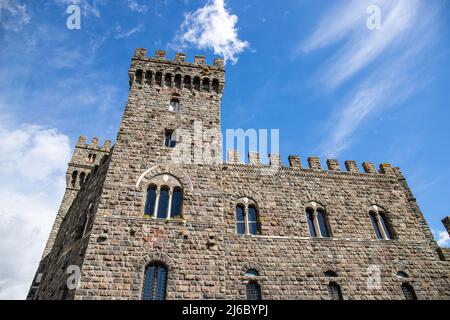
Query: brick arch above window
[{"x": 160, "y": 257}]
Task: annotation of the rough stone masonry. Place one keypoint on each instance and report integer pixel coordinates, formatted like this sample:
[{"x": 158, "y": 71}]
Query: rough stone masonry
[{"x": 104, "y": 226}]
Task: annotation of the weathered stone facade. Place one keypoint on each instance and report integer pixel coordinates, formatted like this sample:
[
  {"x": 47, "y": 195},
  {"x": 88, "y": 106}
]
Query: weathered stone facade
[{"x": 204, "y": 255}]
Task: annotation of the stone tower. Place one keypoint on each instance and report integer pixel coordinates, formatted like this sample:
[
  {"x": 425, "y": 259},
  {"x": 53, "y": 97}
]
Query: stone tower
[{"x": 162, "y": 202}]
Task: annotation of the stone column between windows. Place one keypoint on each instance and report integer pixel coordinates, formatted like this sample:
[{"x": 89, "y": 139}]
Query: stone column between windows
[
  {"x": 380, "y": 225},
  {"x": 158, "y": 191},
  {"x": 169, "y": 207},
  {"x": 316, "y": 224},
  {"x": 247, "y": 231}
]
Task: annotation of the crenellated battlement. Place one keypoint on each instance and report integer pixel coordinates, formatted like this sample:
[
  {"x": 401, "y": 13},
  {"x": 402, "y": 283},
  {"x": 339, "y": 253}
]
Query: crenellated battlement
[
  {"x": 158, "y": 71},
  {"x": 94, "y": 145},
  {"x": 314, "y": 163}
]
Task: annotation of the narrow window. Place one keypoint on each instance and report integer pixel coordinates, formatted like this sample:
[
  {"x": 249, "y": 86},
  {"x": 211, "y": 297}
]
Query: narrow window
[
  {"x": 197, "y": 83},
  {"x": 170, "y": 140},
  {"x": 206, "y": 85},
  {"x": 82, "y": 178},
  {"x": 158, "y": 79},
  {"x": 408, "y": 291},
  {"x": 139, "y": 76},
  {"x": 322, "y": 224},
  {"x": 253, "y": 290},
  {"x": 155, "y": 282},
  {"x": 168, "y": 80},
  {"x": 174, "y": 105},
  {"x": 178, "y": 81},
  {"x": 240, "y": 220},
  {"x": 310, "y": 218},
  {"x": 187, "y": 82},
  {"x": 215, "y": 85},
  {"x": 74, "y": 178},
  {"x": 373, "y": 218},
  {"x": 334, "y": 290},
  {"x": 150, "y": 201},
  {"x": 163, "y": 204},
  {"x": 148, "y": 78},
  {"x": 177, "y": 200},
  {"x": 382, "y": 217},
  {"x": 253, "y": 227}
]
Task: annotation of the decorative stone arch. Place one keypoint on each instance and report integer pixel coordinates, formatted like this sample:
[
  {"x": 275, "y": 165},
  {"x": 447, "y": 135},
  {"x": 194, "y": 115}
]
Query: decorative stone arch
[
  {"x": 251, "y": 266},
  {"x": 247, "y": 202},
  {"x": 249, "y": 195},
  {"x": 318, "y": 207},
  {"x": 145, "y": 178},
  {"x": 158, "y": 257},
  {"x": 314, "y": 204}
]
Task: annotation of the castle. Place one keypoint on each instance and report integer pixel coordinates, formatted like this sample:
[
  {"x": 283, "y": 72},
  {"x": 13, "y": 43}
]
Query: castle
[{"x": 139, "y": 224}]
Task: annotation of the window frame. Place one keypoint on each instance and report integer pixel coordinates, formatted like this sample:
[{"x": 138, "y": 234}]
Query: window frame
[
  {"x": 248, "y": 203},
  {"x": 312, "y": 209}
]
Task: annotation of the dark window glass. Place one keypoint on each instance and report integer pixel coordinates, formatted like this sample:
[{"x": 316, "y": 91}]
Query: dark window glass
[
  {"x": 155, "y": 282},
  {"x": 322, "y": 224},
  {"x": 408, "y": 291},
  {"x": 74, "y": 178},
  {"x": 334, "y": 291},
  {"x": 252, "y": 273},
  {"x": 253, "y": 290},
  {"x": 205, "y": 84},
  {"x": 170, "y": 140},
  {"x": 163, "y": 203},
  {"x": 197, "y": 83},
  {"x": 150, "y": 201},
  {"x": 252, "y": 220},
  {"x": 240, "y": 220},
  {"x": 330, "y": 273},
  {"x": 178, "y": 81},
  {"x": 148, "y": 77},
  {"x": 375, "y": 225},
  {"x": 310, "y": 218},
  {"x": 82, "y": 177},
  {"x": 174, "y": 105},
  {"x": 168, "y": 80},
  {"x": 177, "y": 199},
  {"x": 385, "y": 227}
]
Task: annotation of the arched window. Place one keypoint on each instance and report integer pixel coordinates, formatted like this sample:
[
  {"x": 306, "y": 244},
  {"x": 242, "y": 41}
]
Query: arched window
[
  {"x": 139, "y": 76},
  {"x": 322, "y": 223},
  {"x": 74, "y": 179},
  {"x": 148, "y": 77},
  {"x": 174, "y": 105},
  {"x": 317, "y": 221},
  {"x": 205, "y": 85},
  {"x": 82, "y": 178},
  {"x": 178, "y": 81},
  {"x": 240, "y": 219},
  {"x": 155, "y": 282},
  {"x": 380, "y": 223},
  {"x": 163, "y": 204},
  {"x": 252, "y": 220},
  {"x": 247, "y": 218},
  {"x": 150, "y": 201},
  {"x": 408, "y": 291},
  {"x": 187, "y": 82},
  {"x": 158, "y": 79},
  {"x": 215, "y": 85},
  {"x": 330, "y": 273},
  {"x": 253, "y": 290},
  {"x": 252, "y": 273},
  {"x": 170, "y": 139},
  {"x": 334, "y": 291},
  {"x": 168, "y": 80},
  {"x": 177, "y": 200},
  {"x": 197, "y": 83},
  {"x": 164, "y": 199}
]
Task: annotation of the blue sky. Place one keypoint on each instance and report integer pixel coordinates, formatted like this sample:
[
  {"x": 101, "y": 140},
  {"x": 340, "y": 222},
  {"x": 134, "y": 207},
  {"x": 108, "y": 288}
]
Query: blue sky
[{"x": 312, "y": 69}]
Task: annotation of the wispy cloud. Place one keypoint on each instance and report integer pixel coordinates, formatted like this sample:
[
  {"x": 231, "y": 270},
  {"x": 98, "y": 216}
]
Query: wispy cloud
[
  {"x": 121, "y": 34},
  {"x": 135, "y": 6},
  {"x": 212, "y": 27},
  {"x": 13, "y": 15},
  {"x": 391, "y": 73}
]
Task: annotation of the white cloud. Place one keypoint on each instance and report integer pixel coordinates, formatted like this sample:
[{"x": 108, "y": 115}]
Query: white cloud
[
  {"x": 134, "y": 6},
  {"x": 33, "y": 161},
  {"x": 442, "y": 238},
  {"x": 121, "y": 34},
  {"x": 213, "y": 27},
  {"x": 13, "y": 15},
  {"x": 392, "y": 73}
]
